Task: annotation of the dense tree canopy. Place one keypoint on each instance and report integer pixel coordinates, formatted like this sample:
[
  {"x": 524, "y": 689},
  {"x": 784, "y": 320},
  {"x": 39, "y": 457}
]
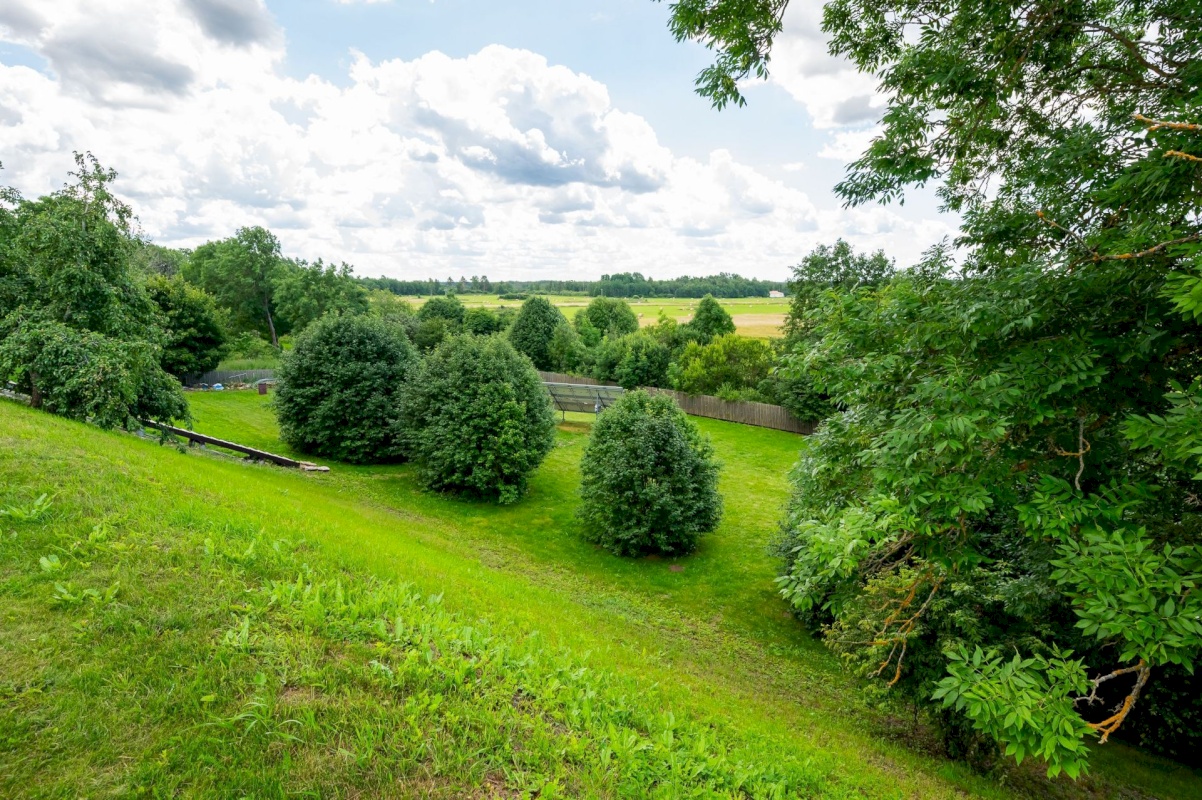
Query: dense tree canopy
[
  {"x": 634, "y": 284},
  {"x": 611, "y": 316},
  {"x": 194, "y": 333},
  {"x": 977, "y": 525},
  {"x": 450, "y": 308},
  {"x": 304, "y": 292},
  {"x": 241, "y": 272},
  {"x": 825, "y": 268},
  {"x": 723, "y": 367},
  {"x": 78, "y": 331}
]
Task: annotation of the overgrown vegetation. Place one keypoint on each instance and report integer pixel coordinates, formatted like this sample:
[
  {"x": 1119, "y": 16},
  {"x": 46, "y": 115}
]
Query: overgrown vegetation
[{"x": 1000, "y": 523}]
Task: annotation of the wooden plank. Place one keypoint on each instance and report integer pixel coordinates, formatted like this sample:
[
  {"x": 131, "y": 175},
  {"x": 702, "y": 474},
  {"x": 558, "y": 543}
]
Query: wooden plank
[{"x": 261, "y": 455}]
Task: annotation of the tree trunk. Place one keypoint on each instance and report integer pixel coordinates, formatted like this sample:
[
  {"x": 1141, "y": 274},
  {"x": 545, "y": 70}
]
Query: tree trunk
[
  {"x": 35, "y": 394},
  {"x": 275, "y": 342}
]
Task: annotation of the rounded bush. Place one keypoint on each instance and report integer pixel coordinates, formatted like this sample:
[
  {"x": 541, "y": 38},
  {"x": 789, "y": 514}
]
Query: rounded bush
[
  {"x": 612, "y": 316},
  {"x": 476, "y": 419},
  {"x": 339, "y": 389},
  {"x": 649, "y": 481},
  {"x": 448, "y": 307},
  {"x": 534, "y": 329}
]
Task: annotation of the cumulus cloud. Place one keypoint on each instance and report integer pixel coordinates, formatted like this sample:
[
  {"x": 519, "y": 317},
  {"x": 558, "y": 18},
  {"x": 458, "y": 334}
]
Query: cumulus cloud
[
  {"x": 20, "y": 22},
  {"x": 496, "y": 163},
  {"x": 840, "y": 100},
  {"x": 236, "y": 22}
]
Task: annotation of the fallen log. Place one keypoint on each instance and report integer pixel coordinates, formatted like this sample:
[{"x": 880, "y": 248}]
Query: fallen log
[{"x": 260, "y": 455}]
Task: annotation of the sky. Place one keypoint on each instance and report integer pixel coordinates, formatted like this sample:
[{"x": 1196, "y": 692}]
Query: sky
[{"x": 532, "y": 139}]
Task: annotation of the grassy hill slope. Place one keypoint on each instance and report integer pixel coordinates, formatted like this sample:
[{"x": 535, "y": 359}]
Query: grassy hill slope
[{"x": 189, "y": 625}]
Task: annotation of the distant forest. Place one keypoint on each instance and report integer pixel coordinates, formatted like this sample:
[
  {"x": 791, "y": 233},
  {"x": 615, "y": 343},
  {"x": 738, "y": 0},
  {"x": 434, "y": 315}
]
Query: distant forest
[{"x": 623, "y": 284}]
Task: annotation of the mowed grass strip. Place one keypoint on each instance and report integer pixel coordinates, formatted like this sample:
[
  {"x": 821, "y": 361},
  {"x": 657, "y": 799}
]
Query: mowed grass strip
[{"x": 211, "y": 628}]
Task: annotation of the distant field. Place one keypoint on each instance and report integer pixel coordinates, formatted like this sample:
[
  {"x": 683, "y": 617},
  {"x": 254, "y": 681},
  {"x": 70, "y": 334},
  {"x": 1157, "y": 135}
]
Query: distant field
[{"x": 760, "y": 317}]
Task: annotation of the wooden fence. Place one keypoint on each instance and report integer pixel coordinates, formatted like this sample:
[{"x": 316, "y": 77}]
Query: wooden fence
[
  {"x": 228, "y": 376},
  {"x": 579, "y": 380},
  {"x": 763, "y": 415}
]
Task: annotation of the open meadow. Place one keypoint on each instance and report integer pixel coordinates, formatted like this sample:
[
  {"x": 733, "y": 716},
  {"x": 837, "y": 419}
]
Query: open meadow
[
  {"x": 184, "y": 623},
  {"x": 758, "y": 317}
]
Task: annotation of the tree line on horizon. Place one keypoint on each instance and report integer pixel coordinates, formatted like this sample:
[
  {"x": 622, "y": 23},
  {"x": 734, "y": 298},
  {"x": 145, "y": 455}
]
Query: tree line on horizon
[{"x": 625, "y": 284}]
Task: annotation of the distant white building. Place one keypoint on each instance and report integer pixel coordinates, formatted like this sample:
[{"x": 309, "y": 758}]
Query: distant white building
[{"x": 775, "y": 293}]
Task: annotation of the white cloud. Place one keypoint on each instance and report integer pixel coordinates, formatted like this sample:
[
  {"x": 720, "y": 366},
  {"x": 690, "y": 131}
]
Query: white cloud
[
  {"x": 849, "y": 145},
  {"x": 497, "y": 163},
  {"x": 833, "y": 91}
]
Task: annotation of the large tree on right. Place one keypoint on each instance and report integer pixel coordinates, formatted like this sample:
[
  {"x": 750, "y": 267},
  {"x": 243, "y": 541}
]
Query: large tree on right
[{"x": 1004, "y": 517}]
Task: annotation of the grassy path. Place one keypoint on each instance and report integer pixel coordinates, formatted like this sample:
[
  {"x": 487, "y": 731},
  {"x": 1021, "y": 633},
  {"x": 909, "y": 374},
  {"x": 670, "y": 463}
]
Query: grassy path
[{"x": 709, "y": 642}]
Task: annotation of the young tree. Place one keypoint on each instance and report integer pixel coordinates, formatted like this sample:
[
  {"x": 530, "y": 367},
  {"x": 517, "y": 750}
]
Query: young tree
[
  {"x": 727, "y": 364},
  {"x": 649, "y": 482},
  {"x": 448, "y": 307},
  {"x": 340, "y": 386},
  {"x": 241, "y": 273},
  {"x": 532, "y": 331},
  {"x": 611, "y": 316},
  {"x": 710, "y": 320},
  {"x": 194, "y": 334},
  {"x": 78, "y": 332},
  {"x": 477, "y": 419},
  {"x": 305, "y": 292},
  {"x": 644, "y": 362}
]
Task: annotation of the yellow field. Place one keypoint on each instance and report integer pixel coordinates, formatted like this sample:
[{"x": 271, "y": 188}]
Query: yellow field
[{"x": 759, "y": 317}]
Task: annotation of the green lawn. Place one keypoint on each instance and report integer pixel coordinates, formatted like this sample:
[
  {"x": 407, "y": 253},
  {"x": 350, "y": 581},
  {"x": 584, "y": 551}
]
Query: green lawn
[{"x": 208, "y": 663}]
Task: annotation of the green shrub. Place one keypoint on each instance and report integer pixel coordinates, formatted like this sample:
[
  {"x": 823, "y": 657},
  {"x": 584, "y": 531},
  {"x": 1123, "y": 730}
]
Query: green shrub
[
  {"x": 710, "y": 320},
  {"x": 481, "y": 322},
  {"x": 446, "y": 307},
  {"x": 534, "y": 328},
  {"x": 649, "y": 482},
  {"x": 195, "y": 339},
  {"x": 727, "y": 365},
  {"x": 340, "y": 388},
  {"x": 611, "y": 316},
  {"x": 250, "y": 345},
  {"x": 644, "y": 362},
  {"x": 476, "y": 418}
]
